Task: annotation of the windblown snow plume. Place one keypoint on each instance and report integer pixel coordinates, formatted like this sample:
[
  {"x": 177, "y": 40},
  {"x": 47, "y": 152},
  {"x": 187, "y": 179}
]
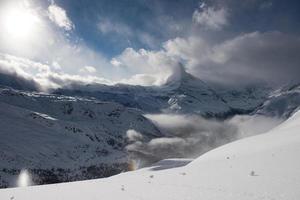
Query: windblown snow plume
[{"x": 188, "y": 136}]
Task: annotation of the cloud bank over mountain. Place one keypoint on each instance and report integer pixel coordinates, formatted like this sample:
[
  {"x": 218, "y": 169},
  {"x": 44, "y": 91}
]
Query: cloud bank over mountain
[{"x": 214, "y": 46}]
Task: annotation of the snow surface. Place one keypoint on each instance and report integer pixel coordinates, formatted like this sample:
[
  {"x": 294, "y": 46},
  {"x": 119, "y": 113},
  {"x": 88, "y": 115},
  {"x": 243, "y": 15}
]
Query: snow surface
[{"x": 259, "y": 167}]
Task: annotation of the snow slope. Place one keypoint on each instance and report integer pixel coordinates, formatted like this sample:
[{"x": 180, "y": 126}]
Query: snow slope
[
  {"x": 259, "y": 167},
  {"x": 61, "y": 138}
]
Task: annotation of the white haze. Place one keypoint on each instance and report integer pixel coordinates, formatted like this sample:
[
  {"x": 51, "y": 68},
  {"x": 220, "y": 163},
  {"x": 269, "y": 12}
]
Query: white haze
[{"x": 188, "y": 136}]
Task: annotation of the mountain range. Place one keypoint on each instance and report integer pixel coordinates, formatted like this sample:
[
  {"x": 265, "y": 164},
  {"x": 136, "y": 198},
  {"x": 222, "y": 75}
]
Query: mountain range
[
  {"x": 184, "y": 95},
  {"x": 81, "y": 131}
]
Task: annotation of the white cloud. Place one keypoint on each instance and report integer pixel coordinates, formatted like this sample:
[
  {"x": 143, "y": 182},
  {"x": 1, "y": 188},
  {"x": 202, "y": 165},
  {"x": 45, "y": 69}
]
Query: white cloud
[
  {"x": 190, "y": 135},
  {"x": 88, "y": 69},
  {"x": 246, "y": 58},
  {"x": 147, "y": 67},
  {"x": 107, "y": 26},
  {"x": 115, "y": 62},
  {"x": 252, "y": 125},
  {"x": 211, "y": 18},
  {"x": 42, "y": 74},
  {"x": 59, "y": 16},
  {"x": 56, "y": 65},
  {"x": 133, "y": 135},
  {"x": 186, "y": 136},
  {"x": 142, "y": 79},
  {"x": 53, "y": 80},
  {"x": 55, "y": 49},
  {"x": 125, "y": 34},
  {"x": 241, "y": 60},
  {"x": 66, "y": 58},
  {"x": 22, "y": 66}
]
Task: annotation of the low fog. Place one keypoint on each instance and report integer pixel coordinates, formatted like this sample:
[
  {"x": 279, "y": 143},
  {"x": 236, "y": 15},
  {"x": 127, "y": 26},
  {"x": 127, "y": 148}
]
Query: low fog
[{"x": 189, "y": 136}]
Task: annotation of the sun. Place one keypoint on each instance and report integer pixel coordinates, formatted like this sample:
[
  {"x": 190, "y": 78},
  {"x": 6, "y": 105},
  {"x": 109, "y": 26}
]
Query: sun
[{"x": 18, "y": 21}]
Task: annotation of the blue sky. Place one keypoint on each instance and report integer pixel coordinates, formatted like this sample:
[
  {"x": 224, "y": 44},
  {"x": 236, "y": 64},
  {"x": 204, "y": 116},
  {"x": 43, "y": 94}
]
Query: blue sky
[
  {"x": 163, "y": 20},
  {"x": 145, "y": 42},
  {"x": 136, "y": 17}
]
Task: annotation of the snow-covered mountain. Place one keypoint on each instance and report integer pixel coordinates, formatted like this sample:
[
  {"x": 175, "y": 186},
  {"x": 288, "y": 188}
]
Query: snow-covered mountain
[
  {"x": 260, "y": 167},
  {"x": 186, "y": 95},
  {"x": 190, "y": 95},
  {"x": 61, "y": 138},
  {"x": 80, "y": 132},
  {"x": 281, "y": 103}
]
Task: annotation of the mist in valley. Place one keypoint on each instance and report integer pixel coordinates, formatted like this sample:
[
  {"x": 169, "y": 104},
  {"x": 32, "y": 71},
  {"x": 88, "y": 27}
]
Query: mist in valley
[{"x": 189, "y": 136}]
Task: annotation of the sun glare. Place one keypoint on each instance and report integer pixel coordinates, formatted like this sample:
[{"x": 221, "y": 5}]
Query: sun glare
[
  {"x": 19, "y": 21},
  {"x": 24, "y": 179}
]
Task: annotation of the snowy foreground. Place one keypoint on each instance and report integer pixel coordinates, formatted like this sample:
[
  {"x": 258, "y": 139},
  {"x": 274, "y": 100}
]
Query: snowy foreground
[{"x": 260, "y": 167}]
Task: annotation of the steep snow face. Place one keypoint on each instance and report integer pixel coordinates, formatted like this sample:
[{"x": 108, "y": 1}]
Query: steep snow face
[
  {"x": 259, "y": 167},
  {"x": 51, "y": 135},
  {"x": 186, "y": 95},
  {"x": 281, "y": 103},
  {"x": 191, "y": 95}
]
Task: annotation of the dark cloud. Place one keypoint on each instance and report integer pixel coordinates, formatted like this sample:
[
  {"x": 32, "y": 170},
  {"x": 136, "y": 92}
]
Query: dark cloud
[
  {"x": 271, "y": 57},
  {"x": 17, "y": 82},
  {"x": 261, "y": 15}
]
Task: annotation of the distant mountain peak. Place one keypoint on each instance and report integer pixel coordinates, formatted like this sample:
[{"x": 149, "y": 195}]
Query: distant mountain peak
[{"x": 181, "y": 78}]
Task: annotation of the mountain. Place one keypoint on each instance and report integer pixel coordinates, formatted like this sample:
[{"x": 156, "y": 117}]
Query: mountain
[
  {"x": 191, "y": 95},
  {"x": 60, "y": 138},
  {"x": 259, "y": 167},
  {"x": 281, "y": 103},
  {"x": 184, "y": 95},
  {"x": 80, "y": 132}
]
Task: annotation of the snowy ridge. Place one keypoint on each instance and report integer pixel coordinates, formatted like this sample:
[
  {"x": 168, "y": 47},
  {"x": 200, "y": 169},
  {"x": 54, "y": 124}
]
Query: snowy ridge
[
  {"x": 259, "y": 167},
  {"x": 185, "y": 95}
]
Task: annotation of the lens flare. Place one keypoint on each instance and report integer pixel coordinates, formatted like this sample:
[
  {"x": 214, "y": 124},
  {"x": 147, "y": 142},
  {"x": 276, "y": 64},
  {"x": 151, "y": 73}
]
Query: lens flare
[
  {"x": 133, "y": 165},
  {"x": 24, "y": 179}
]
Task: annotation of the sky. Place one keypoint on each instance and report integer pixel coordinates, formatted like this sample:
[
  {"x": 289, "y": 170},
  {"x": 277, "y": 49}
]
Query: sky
[{"x": 141, "y": 42}]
